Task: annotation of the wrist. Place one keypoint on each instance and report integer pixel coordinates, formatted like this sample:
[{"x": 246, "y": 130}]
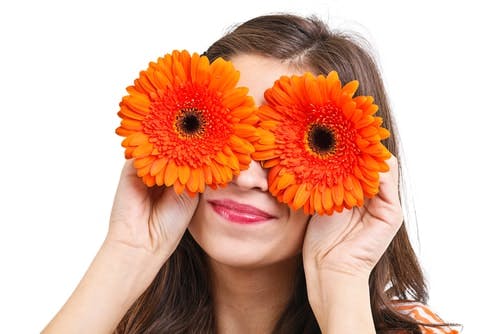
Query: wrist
[
  {"x": 340, "y": 302},
  {"x": 117, "y": 276},
  {"x": 131, "y": 269},
  {"x": 327, "y": 287}
]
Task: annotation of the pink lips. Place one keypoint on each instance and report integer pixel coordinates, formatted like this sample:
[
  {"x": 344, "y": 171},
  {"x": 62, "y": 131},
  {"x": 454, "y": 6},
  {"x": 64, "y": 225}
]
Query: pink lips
[{"x": 239, "y": 213}]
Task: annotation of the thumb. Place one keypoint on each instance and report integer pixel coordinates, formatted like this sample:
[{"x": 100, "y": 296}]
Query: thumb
[{"x": 174, "y": 213}]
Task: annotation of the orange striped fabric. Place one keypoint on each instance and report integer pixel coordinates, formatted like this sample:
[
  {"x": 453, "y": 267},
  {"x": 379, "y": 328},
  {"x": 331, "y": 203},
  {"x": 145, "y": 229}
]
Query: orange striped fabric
[{"x": 422, "y": 313}]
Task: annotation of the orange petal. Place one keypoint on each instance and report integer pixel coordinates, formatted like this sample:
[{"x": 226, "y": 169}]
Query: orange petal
[
  {"x": 223, "y": 75},
  {"x": 368, "y": 131},
  {"x": 193, "y": 69},
  {"x": 244, "y": 130},
  {"x": 273, "y": 186},
  {"x": 201, "y": 180},
  {"x": 228, "y": 174},
  {"x": 264, "y": 155},
  {"x": 301, "y": 196},
  {"x": 326, "y": 199},
  {"x": 318, "y": 205},
  {"x": 271, "y": 163},
  {"x": 139, "y": 103},
  {"x": 349, "y": 109},
  {"x": 368, "y": 162},
  {"x": 350, "y": 88},
  {"x": 233, "y": 162},
  {"x": 178, "y": 69},
  {"x": 357, "y": 190},
  {"x": 143, "y": 171},
  {"x": 312, "y": 89},
  {"x": 149, "y": 180},
  {"x": 289, "y": 193},
  {"x": 131, "y": 124},
  {"x": 158, "y": 166},
  {"x": 349, "y": 199},
  {"x": 372, "y": 109},
  {"x": 160, "y": 178},
  {"x": 364, "y": 121},
  {"x": 193, "y": 182},
  {"x": 338, "y": 194},
  {"x": 128, "y": 152},
  {"x": 171, "y": 173},
  {"x": 184, "y": 173},
  {"x": 307, "y": 208},
  {"x": 178, "y": 187},
  {"x": 201, "y": 75},
  {"x": 143, "y": 150},
  {"x": 135, "y": 139},
  {"x": 123, "y": 132},
  {"x": 347, "y": 182},
  {"x": 384, "y": 133},
  {"x": 141, "y": 162},
  {"x": 221, "y": 158},
  {"x": 285, "y": 180},
  {"x": 244, "y": 159},
  {"x": 126, "y": 112},
  {"x": 242, "y": 112},
  {"x": 240, "y": 145},
  {"x": 216, "y": 173},
  {"x": 234, "y": 98},
  {"x": 334, "y": 86},
  {"x": 207, "y": 173}
]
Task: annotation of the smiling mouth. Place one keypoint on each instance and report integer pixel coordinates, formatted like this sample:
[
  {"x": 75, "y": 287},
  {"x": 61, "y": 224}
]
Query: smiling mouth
[{"x": 239, "y": 213}]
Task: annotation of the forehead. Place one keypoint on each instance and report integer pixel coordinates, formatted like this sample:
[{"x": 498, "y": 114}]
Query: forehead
[{"x": 259, "y": 73}]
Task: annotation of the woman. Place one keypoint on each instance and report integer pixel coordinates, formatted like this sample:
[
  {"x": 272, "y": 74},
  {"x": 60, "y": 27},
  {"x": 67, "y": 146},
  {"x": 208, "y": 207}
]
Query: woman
[{"x": 287, "y": 272}]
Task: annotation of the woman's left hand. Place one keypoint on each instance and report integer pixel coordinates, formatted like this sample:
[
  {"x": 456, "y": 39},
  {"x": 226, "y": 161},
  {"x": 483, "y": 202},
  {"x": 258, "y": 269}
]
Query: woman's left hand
[
  {"x": 352, "y": 242},
  {"x": 341, "y": 250}
]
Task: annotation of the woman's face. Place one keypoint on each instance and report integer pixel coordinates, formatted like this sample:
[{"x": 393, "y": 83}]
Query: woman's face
[{"x": 242, "y": 225}]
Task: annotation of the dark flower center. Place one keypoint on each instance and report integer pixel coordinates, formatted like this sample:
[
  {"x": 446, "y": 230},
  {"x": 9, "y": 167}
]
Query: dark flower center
[
  {"x": 321, "y": 139},
  {"x": 190, "y": 122}
]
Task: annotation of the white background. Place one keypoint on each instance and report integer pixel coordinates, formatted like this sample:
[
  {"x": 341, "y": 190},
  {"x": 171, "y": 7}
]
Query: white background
[{"x": 64, "y": 66}]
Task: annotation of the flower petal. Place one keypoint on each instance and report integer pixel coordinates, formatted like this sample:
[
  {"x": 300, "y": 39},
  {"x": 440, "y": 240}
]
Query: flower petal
[{"x": 187, "y": 123}]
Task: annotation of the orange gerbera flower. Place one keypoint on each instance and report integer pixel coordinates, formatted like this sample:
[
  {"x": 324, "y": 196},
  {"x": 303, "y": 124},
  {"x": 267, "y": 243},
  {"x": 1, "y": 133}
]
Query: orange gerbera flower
[
  {"x": 187, "y": 124},
  {"x": 326, "y": 154}
]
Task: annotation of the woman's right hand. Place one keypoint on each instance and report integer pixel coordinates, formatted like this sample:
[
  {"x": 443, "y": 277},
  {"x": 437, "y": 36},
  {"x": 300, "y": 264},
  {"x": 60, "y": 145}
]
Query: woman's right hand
[
  {"x": 149, "y": 220},
  {"x": 146, "y": 226}
]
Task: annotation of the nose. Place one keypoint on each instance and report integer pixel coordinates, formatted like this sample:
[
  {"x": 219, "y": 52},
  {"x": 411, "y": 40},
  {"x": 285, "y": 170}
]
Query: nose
[{"x": 255, "y": 177}]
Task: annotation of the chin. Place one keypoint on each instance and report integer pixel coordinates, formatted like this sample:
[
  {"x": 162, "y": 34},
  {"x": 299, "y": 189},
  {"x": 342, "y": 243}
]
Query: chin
[{"x": 245, "y": 255}]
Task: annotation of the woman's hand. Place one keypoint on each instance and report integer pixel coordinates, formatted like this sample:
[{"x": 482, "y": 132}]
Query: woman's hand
[
  {"x": 149, "y": 220},
  {"x": 341, "y": 250},
  {"x": 352, "y": 242},
  {"x": 146, "y": 226}
]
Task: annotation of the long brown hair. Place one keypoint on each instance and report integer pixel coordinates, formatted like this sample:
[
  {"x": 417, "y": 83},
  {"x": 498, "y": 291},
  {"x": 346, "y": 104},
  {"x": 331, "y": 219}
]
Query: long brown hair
[{"x": 179, "y": 299}]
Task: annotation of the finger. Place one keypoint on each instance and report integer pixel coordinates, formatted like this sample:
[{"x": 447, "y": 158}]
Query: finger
[
  {"x": 335, "y": 226},
  {"x": 181, "y": 206},
  {"x": 175, "y": 212},
  {"x": 389, "y": 182},
  {"x": 325, "y": 221},
  {"x": 130, "y": 185},
  {"x": 394, "y": 168},
  {"x": 386, "y": 205}
]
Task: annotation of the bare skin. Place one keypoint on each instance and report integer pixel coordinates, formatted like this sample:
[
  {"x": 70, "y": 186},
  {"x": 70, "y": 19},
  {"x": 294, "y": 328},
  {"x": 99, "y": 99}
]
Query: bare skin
[{"x": 253, "y": 279}]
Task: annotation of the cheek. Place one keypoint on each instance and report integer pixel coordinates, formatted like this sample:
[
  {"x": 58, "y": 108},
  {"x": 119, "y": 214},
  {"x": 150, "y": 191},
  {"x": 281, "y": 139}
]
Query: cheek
[
  {"x": 294, "y": 232},
  {"x": 197, "y": 227}
]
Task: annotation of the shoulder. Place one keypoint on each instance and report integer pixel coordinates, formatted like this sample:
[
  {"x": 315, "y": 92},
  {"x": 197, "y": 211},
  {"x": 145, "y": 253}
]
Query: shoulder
[{"x": 424, "y": 315}]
